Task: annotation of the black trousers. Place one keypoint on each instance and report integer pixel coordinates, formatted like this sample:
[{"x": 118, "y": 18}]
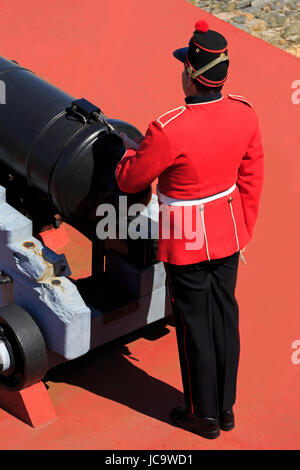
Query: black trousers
[{"x": 206, "y": 315}]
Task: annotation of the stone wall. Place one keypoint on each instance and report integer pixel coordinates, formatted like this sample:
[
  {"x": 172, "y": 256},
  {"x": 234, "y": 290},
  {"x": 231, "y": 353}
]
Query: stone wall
[{"x": 275, "y": 22}]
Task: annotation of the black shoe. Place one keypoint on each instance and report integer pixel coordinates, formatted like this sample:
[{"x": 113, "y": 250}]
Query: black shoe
[
  {"x": 227, "y": 420},
  {"x": 205, "y": 427}
]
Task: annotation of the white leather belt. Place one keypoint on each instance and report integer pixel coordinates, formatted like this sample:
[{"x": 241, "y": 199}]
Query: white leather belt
[{"x": 192, "y": 202}]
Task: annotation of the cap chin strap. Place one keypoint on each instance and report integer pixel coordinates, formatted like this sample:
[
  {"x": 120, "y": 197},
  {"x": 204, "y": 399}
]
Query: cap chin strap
[{"x": 207, "y": 67}]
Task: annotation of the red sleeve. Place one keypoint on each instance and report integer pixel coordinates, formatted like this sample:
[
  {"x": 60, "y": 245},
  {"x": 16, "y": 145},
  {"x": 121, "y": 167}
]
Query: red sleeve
[
  {"x": 250, "y": 179},
  {"x": 139, "y": 168}
]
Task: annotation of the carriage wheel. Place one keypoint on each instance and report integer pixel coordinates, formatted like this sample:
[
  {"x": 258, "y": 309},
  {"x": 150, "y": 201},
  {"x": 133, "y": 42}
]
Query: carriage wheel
[{"x": 23, "y": 354}]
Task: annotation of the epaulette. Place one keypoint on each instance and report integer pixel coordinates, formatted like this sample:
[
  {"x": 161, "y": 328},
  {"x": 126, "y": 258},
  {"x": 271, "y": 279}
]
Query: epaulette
[
  {"x": 240, "y": 98},
  {"x": 164, "y": 119}
]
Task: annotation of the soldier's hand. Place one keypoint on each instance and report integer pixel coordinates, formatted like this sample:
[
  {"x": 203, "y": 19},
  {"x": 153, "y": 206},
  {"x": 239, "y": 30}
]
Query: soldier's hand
[
  {"x": 242, "y": 256},
  {"x": 139, "y": 139},
  {"x": 130, "y": 143}
]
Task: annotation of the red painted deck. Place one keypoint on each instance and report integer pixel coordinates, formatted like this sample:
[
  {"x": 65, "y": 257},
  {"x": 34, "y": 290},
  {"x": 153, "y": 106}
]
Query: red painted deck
[{"x": 107, "y": 399}]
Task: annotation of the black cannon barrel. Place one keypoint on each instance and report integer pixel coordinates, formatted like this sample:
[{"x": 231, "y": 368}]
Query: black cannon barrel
[{"x": 64, "y": 149}]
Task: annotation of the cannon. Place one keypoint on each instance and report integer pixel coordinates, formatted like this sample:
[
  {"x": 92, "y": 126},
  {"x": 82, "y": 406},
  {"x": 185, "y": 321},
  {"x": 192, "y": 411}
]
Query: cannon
[
  {"x": 60, "y": 152},
  {"x": 58, "y": 157}
]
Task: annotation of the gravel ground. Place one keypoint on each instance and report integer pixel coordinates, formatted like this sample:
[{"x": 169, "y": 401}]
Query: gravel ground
[{"x": 275, "y": 22}]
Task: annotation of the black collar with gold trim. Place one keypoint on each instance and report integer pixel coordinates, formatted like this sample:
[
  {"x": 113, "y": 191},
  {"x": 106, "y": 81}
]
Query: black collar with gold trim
[{"x": 203, "y": 98}]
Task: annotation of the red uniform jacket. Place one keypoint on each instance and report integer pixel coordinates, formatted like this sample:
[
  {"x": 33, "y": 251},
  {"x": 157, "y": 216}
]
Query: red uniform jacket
[{"x": 199, "y": 150}]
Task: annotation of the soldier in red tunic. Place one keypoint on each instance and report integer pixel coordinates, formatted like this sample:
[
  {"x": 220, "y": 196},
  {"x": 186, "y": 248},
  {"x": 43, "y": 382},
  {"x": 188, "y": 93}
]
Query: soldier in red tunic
[{"x": 208, "y": 157}]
